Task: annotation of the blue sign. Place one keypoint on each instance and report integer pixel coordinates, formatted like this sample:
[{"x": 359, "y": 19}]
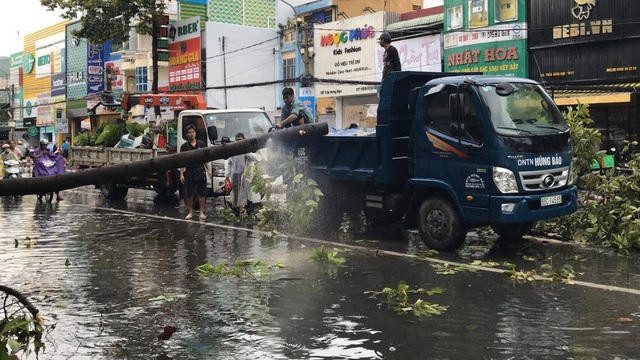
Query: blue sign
[
  {"x": 307, "y": 96},
  {"x": 58, "y": 84},
  {"x": 97, "y": 55}
]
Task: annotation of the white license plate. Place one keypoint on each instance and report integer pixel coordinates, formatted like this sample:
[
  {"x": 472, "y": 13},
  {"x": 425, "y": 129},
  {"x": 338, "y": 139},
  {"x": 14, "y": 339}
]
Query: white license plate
[{"x": 551, "y": 200}]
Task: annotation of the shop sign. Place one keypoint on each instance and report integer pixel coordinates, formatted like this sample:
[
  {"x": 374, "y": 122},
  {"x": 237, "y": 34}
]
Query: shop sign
[
  {"x": 58, "y": 87},
  {"x": 30, "y": 108},
  {"x": 345, "y": 50},
  {"x": 419, "y": 54},
  {"x": 27, "y": 63},
  {"x": 44, "y": 116},
  {"x": 184, "y": 55},
  {"x": 62, "y": 125},
  {"x": 506, "y": 58},
  {"x": 50, "y": 55},
  {"x": 307, "y": 96}
]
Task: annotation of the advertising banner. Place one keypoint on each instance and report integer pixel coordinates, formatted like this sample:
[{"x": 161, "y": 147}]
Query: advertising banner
[
  {"x": 50, "y": 55},
  {"x": 115, "y": 76},
  {"x": 184, "y": 55},
  {"x": 419, "y": 54},
  {"x": 95, "y": 67},
  {"x": 499, "y": 50},
  {"x": 307, "y": 96},
  {"x": 58, "y": 84},
  {"x": 30, "y": 108},
  {"x": 345, "y": 50},
  {"x": 62, "y": 125},
  {"x": 44, "y": 114}
]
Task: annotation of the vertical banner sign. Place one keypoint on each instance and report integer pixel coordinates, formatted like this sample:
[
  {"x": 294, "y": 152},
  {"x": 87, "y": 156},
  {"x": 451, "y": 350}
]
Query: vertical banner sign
[
  {"x": 95, "y": 68},
  {"x": 114, "y": 75},
  {"x": 308, "y": 97},
  {"x": 184, "y": 55}
]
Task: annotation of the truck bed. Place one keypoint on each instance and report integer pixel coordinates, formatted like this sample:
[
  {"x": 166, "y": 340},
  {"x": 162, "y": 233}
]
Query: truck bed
[{"x": 92, "y": 156}]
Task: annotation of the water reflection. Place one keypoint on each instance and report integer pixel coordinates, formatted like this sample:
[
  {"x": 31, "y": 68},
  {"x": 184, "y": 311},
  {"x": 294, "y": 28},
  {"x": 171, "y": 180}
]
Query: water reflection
[{"x": 101, "y": 301}]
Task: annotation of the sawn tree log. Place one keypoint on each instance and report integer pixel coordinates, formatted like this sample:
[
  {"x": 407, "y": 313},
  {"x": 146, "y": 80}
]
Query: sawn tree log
[{"x": 39, "y": 185}]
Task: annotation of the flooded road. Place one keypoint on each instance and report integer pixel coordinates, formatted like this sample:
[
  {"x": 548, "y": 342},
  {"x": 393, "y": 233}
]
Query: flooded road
[{"x": 131, "y": 272}]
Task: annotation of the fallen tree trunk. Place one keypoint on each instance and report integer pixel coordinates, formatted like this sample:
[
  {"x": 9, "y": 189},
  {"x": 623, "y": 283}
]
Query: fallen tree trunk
[{"x": 40, "y": 185}]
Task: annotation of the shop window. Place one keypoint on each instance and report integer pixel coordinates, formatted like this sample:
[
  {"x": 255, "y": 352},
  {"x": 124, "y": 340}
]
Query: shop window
[
  {"x": 506, "y": 10},
  {"x": 142, "y": 79},
  {"x": 478, "y": 14},
  {"x": 454, "y": 16},
  {"x": 439, "y": 115},
  {"x": 58, "y": 113}
]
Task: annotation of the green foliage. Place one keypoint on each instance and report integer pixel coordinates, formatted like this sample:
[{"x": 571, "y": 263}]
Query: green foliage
[
  {"x": 86, "y": 139},
  {"x": 448, "y": 269},
  {"x": 16, "y": 333},
  {"x": 349, "y": 226},
  {"x": 609, "y": 203},
  {"x": 109, "y": 20},
  {"x": 327, "y": 257},
  {"x": 240, "y": 268},
  {"x": 584, "y": 138},
  {"x": 564, "y": 274},
  {"x": 136, "y": 129},
  {"x": 399, "y": 300},
  {"x": 302, "y": 197},
  {"x": 431, "y": 253},
  {"x": 110, "y": 136}
]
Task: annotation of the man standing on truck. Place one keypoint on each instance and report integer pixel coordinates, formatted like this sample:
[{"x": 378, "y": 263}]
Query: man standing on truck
[
  {"x": 294, "y": 112},
  {"x": 390, "y": 59},
  {"x": 193, "y": 175}
]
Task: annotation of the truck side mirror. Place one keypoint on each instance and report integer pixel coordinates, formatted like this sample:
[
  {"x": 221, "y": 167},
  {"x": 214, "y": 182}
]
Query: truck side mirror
[{"x": 212, "y": 131}]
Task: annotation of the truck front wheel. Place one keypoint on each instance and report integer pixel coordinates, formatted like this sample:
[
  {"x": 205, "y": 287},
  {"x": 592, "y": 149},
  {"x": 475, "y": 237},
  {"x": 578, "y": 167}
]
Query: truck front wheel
[
  {"x": 512, "y": 232},
  {"x": 113, "y": 191},
  {"x": 440, "y": 225}
]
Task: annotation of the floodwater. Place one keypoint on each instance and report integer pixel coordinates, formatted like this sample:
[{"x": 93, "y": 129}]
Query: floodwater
[{"x": 119, "y": 258}]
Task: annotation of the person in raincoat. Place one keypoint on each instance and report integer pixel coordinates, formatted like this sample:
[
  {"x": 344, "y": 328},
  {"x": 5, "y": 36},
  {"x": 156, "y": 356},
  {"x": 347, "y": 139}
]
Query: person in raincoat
[{"x": 235, "y": 170}]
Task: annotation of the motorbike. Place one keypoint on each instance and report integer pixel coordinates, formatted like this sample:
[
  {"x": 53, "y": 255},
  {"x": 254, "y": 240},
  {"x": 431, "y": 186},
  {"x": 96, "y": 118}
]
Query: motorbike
[
  {"x": 48, "y": 165},
  {"x": 12, "y": 169}
]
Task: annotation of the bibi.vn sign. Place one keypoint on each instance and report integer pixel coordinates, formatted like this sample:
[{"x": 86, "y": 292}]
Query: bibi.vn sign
[{"x": 184, "y": 55}]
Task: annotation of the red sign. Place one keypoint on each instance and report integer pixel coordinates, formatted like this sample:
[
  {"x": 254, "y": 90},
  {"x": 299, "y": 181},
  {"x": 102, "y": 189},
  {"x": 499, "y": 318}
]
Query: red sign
[{"x": 184, "y": 56}]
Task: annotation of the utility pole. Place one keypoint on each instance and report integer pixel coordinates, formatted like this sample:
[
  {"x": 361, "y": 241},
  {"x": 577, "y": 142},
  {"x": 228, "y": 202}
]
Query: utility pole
[
  {"x": 11, "y": 99},
  {"x": 307, "y": 54},
  {"x": 224, "y": 70},
  {"x": 155, "y": 28}
]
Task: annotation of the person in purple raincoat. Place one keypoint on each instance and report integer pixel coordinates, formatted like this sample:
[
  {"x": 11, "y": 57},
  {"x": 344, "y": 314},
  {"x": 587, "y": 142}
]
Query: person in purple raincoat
[{"x": 47, "y": 163}]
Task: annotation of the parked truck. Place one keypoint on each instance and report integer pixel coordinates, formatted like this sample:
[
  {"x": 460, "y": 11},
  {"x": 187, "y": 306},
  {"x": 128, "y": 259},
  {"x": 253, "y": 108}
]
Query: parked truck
[
  {"x": 451, "y": 153},
  {"x": 193, "y": 111}
]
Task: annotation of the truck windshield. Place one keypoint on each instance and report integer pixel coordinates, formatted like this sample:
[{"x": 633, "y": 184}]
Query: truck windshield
[
  {"x": 250, "y": 124},
  {"x": 527, "y": 111}
]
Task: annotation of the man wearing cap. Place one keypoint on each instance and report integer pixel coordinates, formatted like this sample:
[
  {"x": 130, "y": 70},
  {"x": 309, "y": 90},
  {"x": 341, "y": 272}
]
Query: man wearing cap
[{"x": 390, "y": 59}]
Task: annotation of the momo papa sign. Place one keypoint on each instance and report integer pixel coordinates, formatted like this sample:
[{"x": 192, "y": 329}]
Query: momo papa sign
[{"x": 184, "y": 55}]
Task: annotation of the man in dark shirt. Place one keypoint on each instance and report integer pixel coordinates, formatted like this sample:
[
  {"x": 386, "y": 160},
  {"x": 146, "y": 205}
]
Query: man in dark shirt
[
  {"x": 193, "y": 175},
  {"x": 390, "y": 59}
]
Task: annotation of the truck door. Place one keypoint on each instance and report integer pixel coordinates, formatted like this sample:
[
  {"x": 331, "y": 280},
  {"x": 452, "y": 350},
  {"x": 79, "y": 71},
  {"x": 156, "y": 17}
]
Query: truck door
[{"x": 454, "y": 149}]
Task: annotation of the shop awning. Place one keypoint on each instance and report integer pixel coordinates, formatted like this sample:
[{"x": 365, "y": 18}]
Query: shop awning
[
  {"x": 417, "y": 23},
  {"x": 594, "y": 94}
]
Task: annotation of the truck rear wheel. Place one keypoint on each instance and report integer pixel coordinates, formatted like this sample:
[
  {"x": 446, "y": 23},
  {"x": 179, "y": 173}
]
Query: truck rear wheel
[
  {"x": 113, "y": 191},
  {"x": 512, "y": 232},
  {"x": 440, "y": 225}
]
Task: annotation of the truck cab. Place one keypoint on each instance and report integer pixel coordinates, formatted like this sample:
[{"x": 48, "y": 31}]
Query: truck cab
[
  {"x": 452, "y": 152},
  {"x": 228, "y": 123},
  {"x": 498, "y": 146}
]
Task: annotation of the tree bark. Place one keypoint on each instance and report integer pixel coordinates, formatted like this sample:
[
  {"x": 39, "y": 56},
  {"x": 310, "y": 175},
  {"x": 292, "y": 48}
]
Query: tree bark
[{"x": 40, "y": 185}]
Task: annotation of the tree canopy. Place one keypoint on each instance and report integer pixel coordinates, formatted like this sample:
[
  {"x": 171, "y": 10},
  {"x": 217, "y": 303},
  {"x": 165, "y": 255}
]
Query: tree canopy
[{"x": 109, "y": 20}]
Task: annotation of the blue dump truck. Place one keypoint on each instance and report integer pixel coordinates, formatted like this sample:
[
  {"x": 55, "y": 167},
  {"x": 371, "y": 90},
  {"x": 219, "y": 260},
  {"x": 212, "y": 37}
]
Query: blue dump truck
[{"x": 451, "y": 153}]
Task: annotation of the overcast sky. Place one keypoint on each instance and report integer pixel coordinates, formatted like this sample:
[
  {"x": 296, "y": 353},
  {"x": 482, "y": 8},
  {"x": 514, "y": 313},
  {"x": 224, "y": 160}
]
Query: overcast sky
[{"x": 20, "y": 18}]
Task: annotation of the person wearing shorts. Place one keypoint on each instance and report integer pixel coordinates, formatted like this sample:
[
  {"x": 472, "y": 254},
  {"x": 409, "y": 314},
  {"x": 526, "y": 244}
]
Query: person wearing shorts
[{"x": 194, "y": 176}]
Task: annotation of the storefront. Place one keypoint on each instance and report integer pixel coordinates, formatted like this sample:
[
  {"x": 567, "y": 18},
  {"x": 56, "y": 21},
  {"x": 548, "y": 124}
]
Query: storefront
[
  {"x": 486, "y": 36},
  {"x": 348, "y": 51},
  {"x": 586, "y": 53},
  {"x": 43, "y": 63}
]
